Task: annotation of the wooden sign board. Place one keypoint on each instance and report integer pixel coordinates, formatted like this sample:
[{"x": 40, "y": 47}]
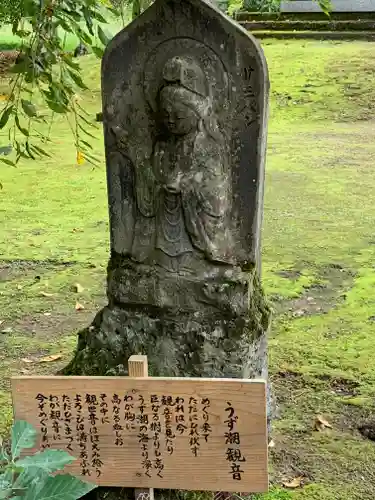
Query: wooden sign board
[{"x": 171, "y": 433}]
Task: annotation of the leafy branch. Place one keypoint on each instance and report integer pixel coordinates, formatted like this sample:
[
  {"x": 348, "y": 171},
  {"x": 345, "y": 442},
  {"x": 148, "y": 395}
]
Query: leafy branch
[
  {"x": 45, "y": 72},
  {"x": 29, "y": 477}
]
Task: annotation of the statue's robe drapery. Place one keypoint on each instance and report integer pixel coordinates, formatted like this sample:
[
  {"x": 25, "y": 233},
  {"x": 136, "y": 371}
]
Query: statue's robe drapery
[{"x": 192, "y": 220}]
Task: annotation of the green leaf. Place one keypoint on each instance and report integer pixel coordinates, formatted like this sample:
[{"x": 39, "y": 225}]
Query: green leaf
[
  {"x": 87, "y": 144},
  {"x": 5, "y": 116},
  {"x": 86, "y": 131},
  {"x": 72, "y": 14},
  {"x": 3, "y": 455},
  {"x": 91, "y": 157},
  {"x": 23, "y": 434},
  {"x": 29, "y": 108},
  {"x": 56, "y": 107},
  {"x": 77, "y": 80},
  {"x": 65, "y": 26},
  {"x": 88, "y": 19},
  {"x": 7, "y": 476},
  {"x": 104, "y": 36},
  {"x": 114, "y": 11},
  {"x": 325, "y": 5},
  {"x": 5, "y": 486},
  {"x": 61, "y": 487},
  {"x": 5, "y": 491},
  {"x": 87, "y": 113},
  {"x": 48, "y": 460},
  {"x": 8, "y": 162},
  {"x": 39, "y": 151},
  {"x": 23, "y": 130},
  {"x": 98, "y": 51},
  {"x": 15, "y": 26},
  {"x": 69, "y": 61},
  {"x": 31, "y": 477},
  {"x": 86, "y": 120},
  {"x": 96, "y": 15},
  {"x": 29, "y": 152},
  {"x": 84, "y": 37}
]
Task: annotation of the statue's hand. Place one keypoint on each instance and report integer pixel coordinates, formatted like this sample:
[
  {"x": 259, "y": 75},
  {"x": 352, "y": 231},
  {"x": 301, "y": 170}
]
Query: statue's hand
[{"x": 174, "y": 186}]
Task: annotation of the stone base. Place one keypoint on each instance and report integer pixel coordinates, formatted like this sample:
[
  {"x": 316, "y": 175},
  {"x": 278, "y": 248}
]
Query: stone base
[
  {"x": 190, "y": 345},
  {"x": 208, "y": 342},
  {"x": 212, "y": 341}
]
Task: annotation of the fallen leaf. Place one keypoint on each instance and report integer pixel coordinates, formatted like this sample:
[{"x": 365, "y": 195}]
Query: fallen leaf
[
  {"x": 46, "y": 294},
  {"x": 51, "y": 357},
  {"x": 321, "y": 423},
  {"x": 1, "y": 321},
  {"x": 7, "y": 330},
  {"x": 271, "y": 444},
  {"x": 294, "y": 483},
  {"x": 79, "y": 307},
  {"x": 24, "y": 371},
  {"x": 28, "y": 360},
  {"x": 80, "y": 158},
  {"x": 19, "y": 287},
  {"x": 78, "y": 288},
  {"x": 47, "y": 314}
]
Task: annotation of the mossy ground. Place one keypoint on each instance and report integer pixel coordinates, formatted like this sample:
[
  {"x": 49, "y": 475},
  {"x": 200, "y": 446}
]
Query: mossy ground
[{"x": 318, "y": 261}]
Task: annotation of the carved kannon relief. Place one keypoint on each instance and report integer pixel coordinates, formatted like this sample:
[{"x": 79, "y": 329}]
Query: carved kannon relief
[{"x": 178, "y": 214}]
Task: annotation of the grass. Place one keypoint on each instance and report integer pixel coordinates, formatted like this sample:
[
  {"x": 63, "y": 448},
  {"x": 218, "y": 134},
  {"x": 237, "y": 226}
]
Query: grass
[
  {"x": 318, "y": 261},
  {"x": 318, "y": 252}
]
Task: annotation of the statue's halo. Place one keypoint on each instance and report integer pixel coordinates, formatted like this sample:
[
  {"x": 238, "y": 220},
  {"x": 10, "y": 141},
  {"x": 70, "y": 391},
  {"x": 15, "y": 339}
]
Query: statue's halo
[{"x": 214, "y": 69}]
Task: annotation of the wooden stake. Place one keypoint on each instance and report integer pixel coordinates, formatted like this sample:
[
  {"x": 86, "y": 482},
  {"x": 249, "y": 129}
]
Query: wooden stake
[{"x": 138, "y": 367}]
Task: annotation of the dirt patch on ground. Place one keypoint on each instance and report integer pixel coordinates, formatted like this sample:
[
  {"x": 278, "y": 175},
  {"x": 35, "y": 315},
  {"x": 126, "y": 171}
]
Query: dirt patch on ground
[
  {"x": 291, "y": 274},
  {"x": 12, "y": 269},
  {"x": 287, "y": 464},
  {"x": 344, "y": 387},
  {"x": 40, "y": 314},
  {"x": 54, "y": 323},
  {"x": 327, "y": 292},
  {"x": 297, "y": 444},
  {"x": 291, "y": 388}
]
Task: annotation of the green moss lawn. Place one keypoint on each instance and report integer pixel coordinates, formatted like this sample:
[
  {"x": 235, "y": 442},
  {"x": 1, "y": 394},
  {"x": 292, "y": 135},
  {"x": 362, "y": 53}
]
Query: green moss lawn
[{"x": 318, "y": 261}]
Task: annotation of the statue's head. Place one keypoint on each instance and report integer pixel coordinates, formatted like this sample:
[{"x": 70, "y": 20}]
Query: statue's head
[{"x": 183, "y": 98}]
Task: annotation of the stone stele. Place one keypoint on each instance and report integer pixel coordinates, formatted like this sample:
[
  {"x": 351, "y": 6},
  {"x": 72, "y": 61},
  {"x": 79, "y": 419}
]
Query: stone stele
[{"x": 185, "y": 98}]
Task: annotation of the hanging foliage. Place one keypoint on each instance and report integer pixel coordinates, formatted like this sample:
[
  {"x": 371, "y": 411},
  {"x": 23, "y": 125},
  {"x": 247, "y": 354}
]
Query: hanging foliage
[{"x": 45, "y": 70}]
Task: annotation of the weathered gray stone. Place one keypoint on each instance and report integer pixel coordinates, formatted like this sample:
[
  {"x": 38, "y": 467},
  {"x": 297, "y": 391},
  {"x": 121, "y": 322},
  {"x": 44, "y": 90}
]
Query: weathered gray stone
[{"x": 185, "y": 94}]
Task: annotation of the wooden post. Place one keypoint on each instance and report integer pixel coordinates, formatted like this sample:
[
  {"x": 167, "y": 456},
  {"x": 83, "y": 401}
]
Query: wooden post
[{"x": 138, "y": 367}]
